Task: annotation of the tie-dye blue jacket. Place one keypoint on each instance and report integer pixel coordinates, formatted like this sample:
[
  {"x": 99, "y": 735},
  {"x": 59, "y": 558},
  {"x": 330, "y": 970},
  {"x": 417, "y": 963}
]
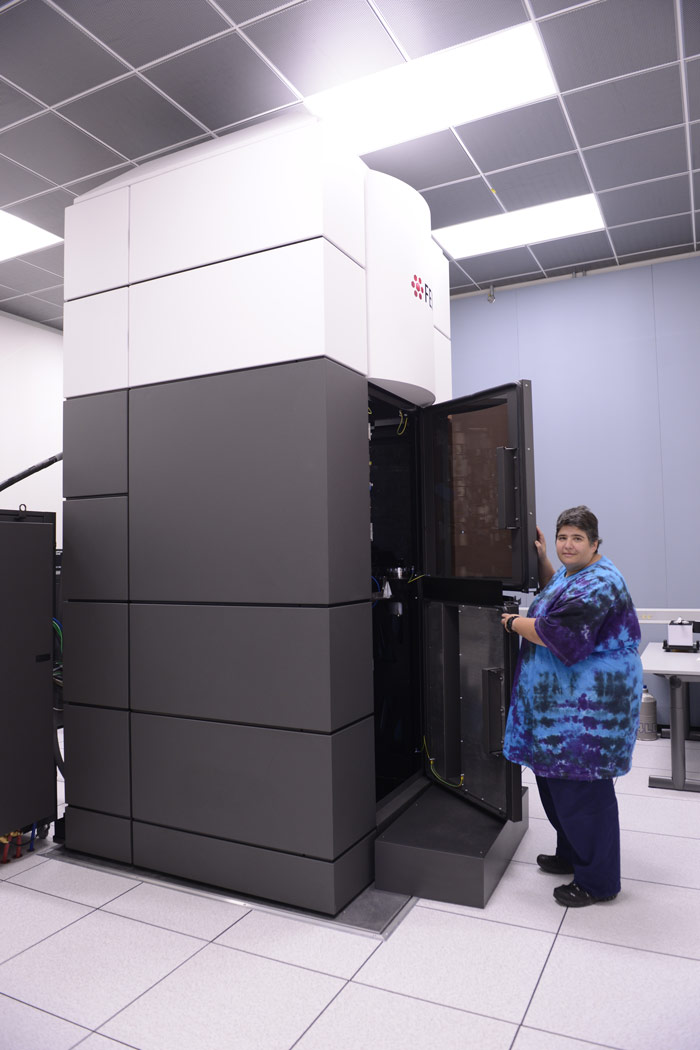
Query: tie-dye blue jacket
[{"x": 575, "y": 704}]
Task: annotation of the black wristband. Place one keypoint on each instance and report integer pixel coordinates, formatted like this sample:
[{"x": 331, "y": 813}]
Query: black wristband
[{"x": 509, "y": 623}]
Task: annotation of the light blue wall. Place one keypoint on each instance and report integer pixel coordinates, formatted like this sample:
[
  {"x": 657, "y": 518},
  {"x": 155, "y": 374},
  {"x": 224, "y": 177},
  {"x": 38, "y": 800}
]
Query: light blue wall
[{"x": 614, "y": 361}]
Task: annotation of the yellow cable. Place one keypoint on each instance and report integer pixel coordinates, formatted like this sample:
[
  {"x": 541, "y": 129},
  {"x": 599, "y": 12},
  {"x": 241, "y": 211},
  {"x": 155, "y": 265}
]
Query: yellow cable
[{"x": 437, "y": 775}]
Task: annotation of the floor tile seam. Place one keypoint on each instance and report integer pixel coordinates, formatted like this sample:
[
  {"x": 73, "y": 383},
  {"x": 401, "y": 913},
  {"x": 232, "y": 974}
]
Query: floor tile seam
[
  {"x": 58, "y": 897},
  {"x": 562, "y": 1035},
  {"x": 630, "y": 947},
  {"x": 541, "y": 973},
  {"x": 285, "y": 962},
  {"x": 98, "y": 1029},
  {"x": 43, "y": 941},
  {"x": 433, "y": 1002},
  {"x": 320, "y": 1014},
  {"x": 628, "y": 878},
  {"x": 155, "y": 926},
  {"x": 37, "y": 864},
  {"x": 671, "y": 795},
  {"x": 484, "y": 918},
  {"x": 50, "y": 1013}
]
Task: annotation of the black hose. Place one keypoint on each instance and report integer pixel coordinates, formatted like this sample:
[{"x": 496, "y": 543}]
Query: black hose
[{"x": 31, "y": 470}]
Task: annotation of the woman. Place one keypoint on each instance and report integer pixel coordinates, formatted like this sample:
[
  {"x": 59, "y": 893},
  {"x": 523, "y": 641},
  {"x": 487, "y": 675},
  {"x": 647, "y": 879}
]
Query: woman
[{"x": 575, "y": 704}]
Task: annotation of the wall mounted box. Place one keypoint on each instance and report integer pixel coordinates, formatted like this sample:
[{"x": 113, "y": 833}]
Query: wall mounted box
[
  {"x": 289, "y": 667},
  {"x": 96, "y": 653}
]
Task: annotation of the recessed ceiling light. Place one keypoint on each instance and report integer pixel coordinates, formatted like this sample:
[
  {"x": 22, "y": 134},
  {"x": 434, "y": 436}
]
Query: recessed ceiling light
[
  {"x": 17, "y": 236},
  {"x": 544, "y": 222},
  {"x": 485, "y": 76}
]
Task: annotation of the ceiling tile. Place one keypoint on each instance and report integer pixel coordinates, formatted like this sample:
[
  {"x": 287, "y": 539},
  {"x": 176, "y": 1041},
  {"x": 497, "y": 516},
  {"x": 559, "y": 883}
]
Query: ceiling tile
[
  {"x": 246, "y": 10},
  {"x": 50, "y": 259},
  {"x": 30, "y": 307},
  {"x": 221, "y": 83},
  {"x": 55, "y": 149},
  {"x": 422, "y": 28},
  {"x": 142, "y": 31},
  {"x": 131, "y": 117},
  {"x": 626, "y": 107},
  {"x": 93, "y": 181},
  {"x": 15, "y": 273},
  {"x": 52, "y": 295},
  {"x": 693, "y": 74},
  {"x": 637, "y": 160},
  {"x": 315, "y": 45},
  {"x": 691, "y": 26},
  {"x": 695, "y": 145},
  {"x": 696, "y": 187},
  {"x": 652, "y": 256},
  {"x": 517, "y": 136},
  {"x": 47, "y": 211},
  {"x": 549, "y": 7},
  {"x": 648, "y": 200},
  {"x": 572, "y": 251},
  {"x": 461, "y": 202},
  {"x": 510, "y": 282},
  {"x": 429, "y": 161},
  {"x": 14, "y": 105},
  {"x": 541, "y": 182},
  {"x": 648, "y": 236},
  {"x": 596, "y": 264},
  {"x": 494, "y": 265},
  {"x": 17, "y": 183},
  {"x": 609, "y": 39},
  {"x": 6, "y": 293},
  {"x": 41, "y": 52},
  {"x": 54, "y": 322},
  {"x": 458, "y": 278}
]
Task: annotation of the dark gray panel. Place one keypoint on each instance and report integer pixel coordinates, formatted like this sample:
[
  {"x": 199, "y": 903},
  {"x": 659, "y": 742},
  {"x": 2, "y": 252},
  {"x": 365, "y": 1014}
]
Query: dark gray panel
[
  {"x": 47, "y": 211},
  {"x": 221, "y": 82},
  {"x": 14, "y": 105},
  {"x": 626, "y": 107},
  {"x": 141, "y": 32},
  {"x": 97, "y": 759},
  {"x": 95, "y": 444},
  {"x": 271, "y": 666},
  {"x": 17, "y": 183},
  {"x": 428, "y": 161},
  {"x": 460, "y": 203},
  {"x": 99, "y": 834},
  {"x": 131, "y": 117},
  {"x": 27, "y": 772},
  {"x": 570, "y": 251},
  {"x": 23, "y": 277},
  {"x": 239, "y": 482},
  {"x": 50, "y": 259},
  {"x": 45, "y": 55},
  {"x": 303, "y": 793},
  {"x": 647, "y": 236},
  {"x": 96, "y": 653},
  {"x": 693, "y": 74},
  {"x": 95, "y": 549},
  {"x": 54, "y": 148},
  {"x": 484, "y": 268},
  {"x": 691, "y": 27},
  {"x": 609, "y": 40},
  {"x": 316, "y": 49},
  {"x": 28, "y": 306},
  {"x": 303, "y": 882},
  {"x": 539, "y": 183},
  {"x": 423, "y": 28},
  {"x": 646, "y": 201},
  {"x": 637, "y": 160},
  {"x": 517, "y": 136}
]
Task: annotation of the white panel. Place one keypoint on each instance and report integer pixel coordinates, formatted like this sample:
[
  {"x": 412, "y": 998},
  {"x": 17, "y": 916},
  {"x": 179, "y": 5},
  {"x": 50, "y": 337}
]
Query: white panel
[
  {"x": 261, "y": 309},
  {"x": 443, "y": 366},
  {"x": 345, "y": 310},
  {"x": 95, "y": 343},
  {"x": 441, "y": 289},
  {"x": 399, "y": 264},
  {"x": 97, "y": 244},
  {"x": 269, "y": 193}
]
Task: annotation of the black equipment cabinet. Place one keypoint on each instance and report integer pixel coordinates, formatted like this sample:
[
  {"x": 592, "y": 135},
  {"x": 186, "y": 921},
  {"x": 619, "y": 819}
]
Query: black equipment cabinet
[
  {"x": 453, "y": 510},
  {"x": 27, "y": 771}
]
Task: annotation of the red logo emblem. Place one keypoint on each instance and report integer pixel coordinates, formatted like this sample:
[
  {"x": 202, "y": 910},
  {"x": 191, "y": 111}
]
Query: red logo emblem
[{"x": 417, "y": 286}]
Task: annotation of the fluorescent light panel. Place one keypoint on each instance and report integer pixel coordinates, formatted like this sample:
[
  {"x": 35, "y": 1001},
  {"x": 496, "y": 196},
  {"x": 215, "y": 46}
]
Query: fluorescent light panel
[
  {"x": 485, "y": 76},
  {"x": 544, "y": 222},
  {"x": 17, "y": 236}
]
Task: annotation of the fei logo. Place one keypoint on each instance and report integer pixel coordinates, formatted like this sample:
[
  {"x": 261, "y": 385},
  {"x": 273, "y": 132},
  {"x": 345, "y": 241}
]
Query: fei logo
[{"x": 422, "y": 291}]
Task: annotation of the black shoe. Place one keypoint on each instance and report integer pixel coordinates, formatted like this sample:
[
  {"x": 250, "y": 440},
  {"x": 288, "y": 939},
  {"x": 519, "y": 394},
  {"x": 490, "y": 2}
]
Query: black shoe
[
  {"x": 573, "y": 896},
  {"x": 555, "y": 865}
]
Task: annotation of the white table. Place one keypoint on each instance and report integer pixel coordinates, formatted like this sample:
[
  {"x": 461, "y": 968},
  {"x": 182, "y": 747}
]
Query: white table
[{"x": 680, "y": 669}]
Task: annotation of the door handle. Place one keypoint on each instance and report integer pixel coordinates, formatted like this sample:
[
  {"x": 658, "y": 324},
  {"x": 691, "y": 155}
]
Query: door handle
[{"x": 493, "y": 710}]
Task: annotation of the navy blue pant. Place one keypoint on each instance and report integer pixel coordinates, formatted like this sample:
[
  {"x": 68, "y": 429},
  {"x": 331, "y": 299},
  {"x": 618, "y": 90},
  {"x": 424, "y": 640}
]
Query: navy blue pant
[{"x": 584, "y": 815}]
